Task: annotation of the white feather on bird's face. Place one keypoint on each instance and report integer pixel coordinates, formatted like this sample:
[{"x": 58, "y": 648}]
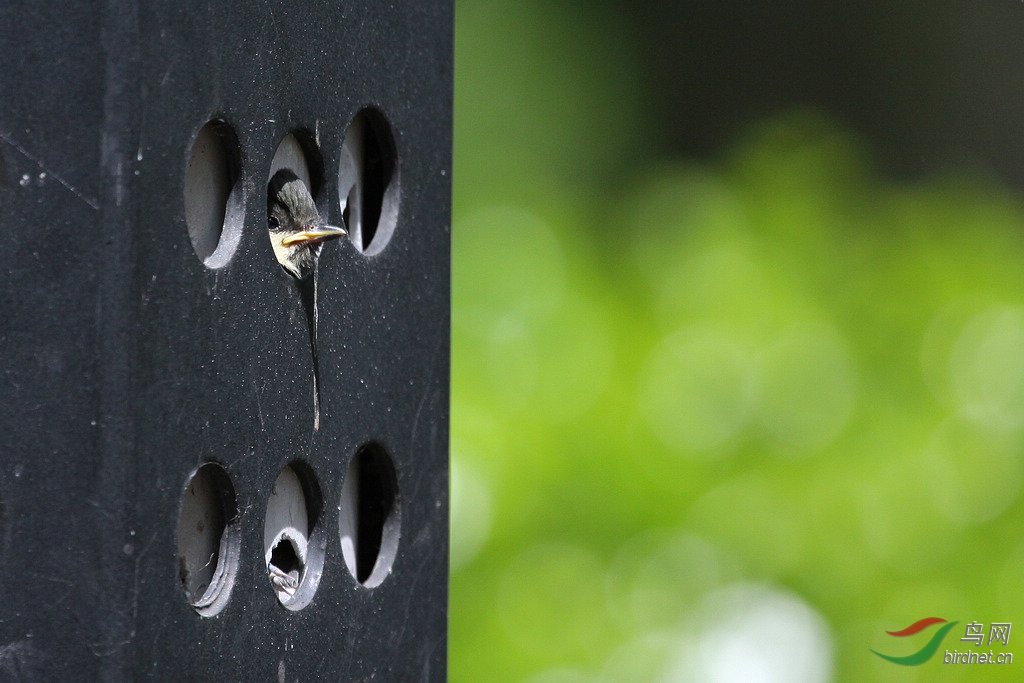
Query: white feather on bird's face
[{"x": 296, "y": 230}]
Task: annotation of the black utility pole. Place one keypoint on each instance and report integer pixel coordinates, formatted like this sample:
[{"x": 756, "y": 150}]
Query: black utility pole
[{"x": 174, "y": 502}]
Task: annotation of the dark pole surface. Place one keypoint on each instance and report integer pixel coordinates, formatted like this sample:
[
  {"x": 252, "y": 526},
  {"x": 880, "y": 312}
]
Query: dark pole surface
[{"x": 132, "y": 357}]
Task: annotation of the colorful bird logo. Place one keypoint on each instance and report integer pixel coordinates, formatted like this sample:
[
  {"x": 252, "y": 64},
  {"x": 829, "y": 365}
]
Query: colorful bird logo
[{"x": 925, "y": 653}]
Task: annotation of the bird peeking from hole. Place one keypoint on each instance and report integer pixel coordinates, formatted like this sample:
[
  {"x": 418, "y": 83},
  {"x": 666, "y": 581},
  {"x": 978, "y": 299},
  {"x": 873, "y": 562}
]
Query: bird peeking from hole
[
  {"x": 296, "y": 229},
  {"x": 298, "y": 234}
]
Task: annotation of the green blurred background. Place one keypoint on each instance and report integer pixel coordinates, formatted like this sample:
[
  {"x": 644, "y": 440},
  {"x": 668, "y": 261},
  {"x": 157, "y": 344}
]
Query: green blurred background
[{"x": 737, "y": 339}]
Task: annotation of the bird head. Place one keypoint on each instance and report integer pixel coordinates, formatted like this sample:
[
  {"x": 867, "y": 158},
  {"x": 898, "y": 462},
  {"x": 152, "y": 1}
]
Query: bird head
[{"x": 297, "y": 232}]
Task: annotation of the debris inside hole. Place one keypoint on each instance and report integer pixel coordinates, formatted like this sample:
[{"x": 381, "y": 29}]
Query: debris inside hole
[
  {"x": 194, "y": 584},
  {"x": 285, "y": 569}
]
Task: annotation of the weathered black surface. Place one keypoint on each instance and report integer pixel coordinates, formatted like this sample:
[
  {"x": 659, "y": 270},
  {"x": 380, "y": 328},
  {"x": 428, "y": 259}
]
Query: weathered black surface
[{"x": 127, "y": 362}]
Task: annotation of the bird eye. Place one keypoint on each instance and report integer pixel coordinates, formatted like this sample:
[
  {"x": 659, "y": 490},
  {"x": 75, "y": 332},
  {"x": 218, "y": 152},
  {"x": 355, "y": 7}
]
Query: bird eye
[{"x": 273, "y": 222}]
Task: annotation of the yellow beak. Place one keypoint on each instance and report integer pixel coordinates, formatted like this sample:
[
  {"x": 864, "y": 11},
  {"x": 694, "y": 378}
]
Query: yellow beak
[{"x": 315, "y": 236}]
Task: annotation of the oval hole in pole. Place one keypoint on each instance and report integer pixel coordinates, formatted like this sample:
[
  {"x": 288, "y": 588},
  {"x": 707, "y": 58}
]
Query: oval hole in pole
[
  {"x": 369, "y": 515},
  {"x": 208, "y": 539},
  {"x": 293, "y": 543},
  {"x": 368, "y": 185},
  {"x": 214, "y": 207}
]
